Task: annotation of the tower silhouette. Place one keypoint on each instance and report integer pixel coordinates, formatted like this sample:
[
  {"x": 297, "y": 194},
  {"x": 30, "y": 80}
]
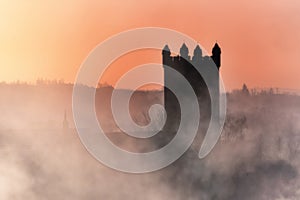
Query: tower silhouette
[
  {"x": 65, "y": 121},
  {"x": 187, "y": 67}
]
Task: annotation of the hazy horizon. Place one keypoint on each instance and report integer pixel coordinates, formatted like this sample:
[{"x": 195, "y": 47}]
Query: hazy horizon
[{"x": 259, "y": 39}]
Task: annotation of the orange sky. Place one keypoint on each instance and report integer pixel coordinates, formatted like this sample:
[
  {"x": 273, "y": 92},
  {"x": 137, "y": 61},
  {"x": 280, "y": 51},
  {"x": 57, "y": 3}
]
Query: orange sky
[{"x": 260, "y": 39}]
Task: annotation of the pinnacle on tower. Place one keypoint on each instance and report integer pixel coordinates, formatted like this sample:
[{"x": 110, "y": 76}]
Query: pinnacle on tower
[
  {"x": 166, "y": 50},
  {"x": 216, "y": 55},
  {"x": 197, "y": 56},
  {"x": 184, "y": 51},
  {"x": 216, "y": 49}
]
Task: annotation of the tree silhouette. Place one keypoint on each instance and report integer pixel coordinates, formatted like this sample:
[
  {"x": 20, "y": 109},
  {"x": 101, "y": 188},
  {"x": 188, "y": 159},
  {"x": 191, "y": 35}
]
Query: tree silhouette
[{"x": 245, "y": 89}]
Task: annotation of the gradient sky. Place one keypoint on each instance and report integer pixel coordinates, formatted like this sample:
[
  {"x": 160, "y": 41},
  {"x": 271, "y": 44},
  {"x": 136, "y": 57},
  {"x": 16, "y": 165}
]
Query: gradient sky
[{"x": 260, "y": 39}]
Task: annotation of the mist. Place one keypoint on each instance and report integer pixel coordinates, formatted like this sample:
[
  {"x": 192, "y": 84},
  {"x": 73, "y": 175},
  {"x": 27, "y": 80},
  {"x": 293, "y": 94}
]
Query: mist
[{"x": 257, "y": 156}]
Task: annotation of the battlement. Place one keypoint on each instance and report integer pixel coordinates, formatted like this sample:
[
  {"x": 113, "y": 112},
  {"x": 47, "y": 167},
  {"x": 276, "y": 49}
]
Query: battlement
[{"x": 185, "y": 64}]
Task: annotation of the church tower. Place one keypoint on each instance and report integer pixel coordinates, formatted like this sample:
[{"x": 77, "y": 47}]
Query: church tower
[
  {"x": 65, "y": 122},
  {"x": 187, "y": 67}
]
